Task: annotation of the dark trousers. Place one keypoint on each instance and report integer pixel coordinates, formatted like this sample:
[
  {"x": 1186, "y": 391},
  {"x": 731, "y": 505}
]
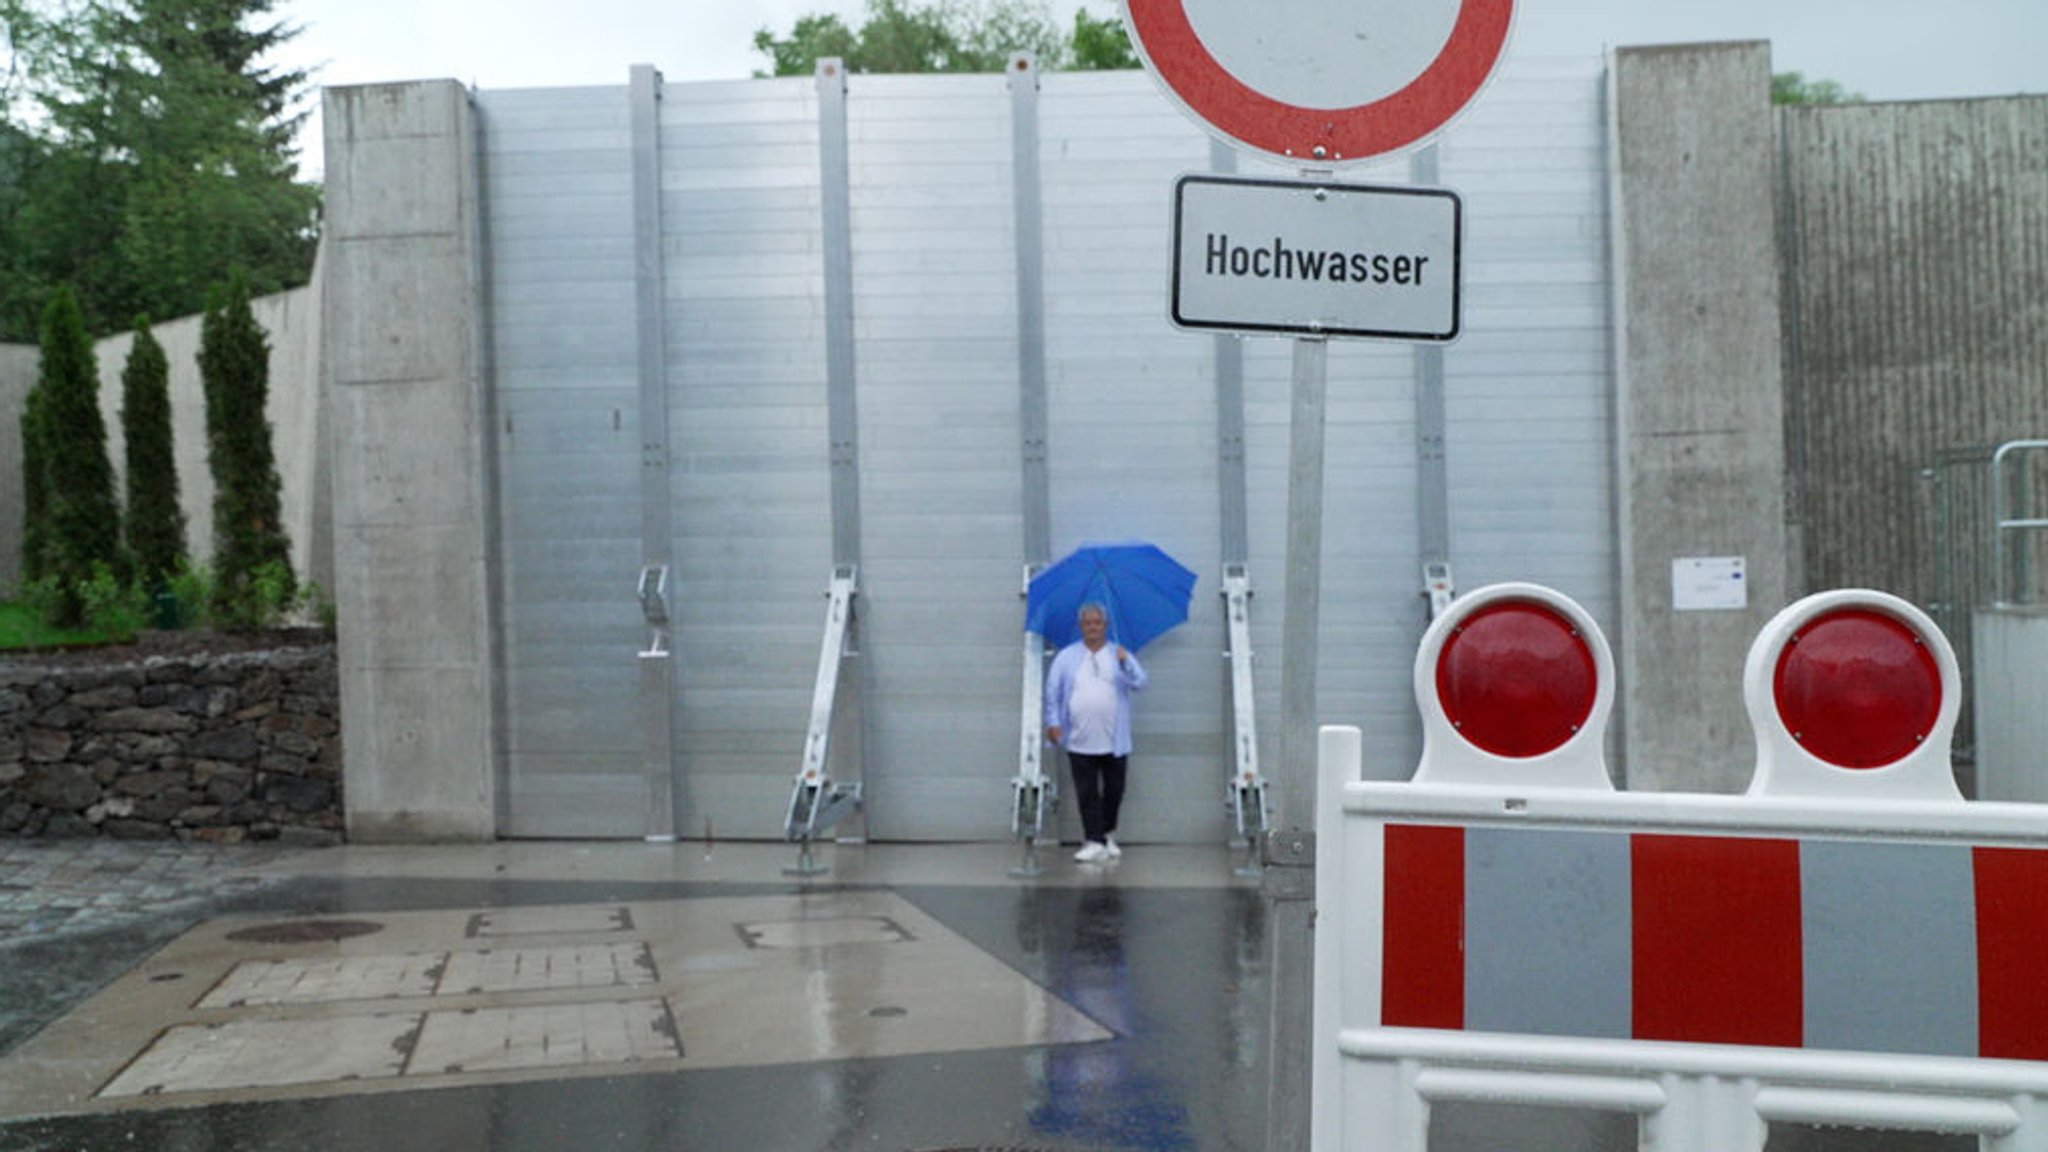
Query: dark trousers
[{"x": 1098, "y": 791}]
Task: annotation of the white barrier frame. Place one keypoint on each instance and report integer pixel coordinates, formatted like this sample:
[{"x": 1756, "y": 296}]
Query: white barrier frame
[
  {"x": 1374, "y": 1086},
  {"x": 1246, "y": 790},
  {"x": 816, "y": 801}
]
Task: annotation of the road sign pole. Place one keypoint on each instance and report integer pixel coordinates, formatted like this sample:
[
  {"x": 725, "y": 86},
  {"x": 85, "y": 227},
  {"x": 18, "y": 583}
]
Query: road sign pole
[
  {"x": 1248, "y": 95},
  {"x": 1289, "y": 887},
  {"x": 1304, "y": 582}
]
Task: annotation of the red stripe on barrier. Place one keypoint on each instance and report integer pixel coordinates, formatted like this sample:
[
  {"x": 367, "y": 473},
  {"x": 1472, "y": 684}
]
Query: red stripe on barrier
[
  {"x": 2012, "y": 927},
  {"x": 1422, "y": 979},
  {"x": 1717, "y": 940}
]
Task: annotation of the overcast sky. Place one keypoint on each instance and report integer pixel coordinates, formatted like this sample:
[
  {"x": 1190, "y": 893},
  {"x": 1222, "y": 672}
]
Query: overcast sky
[{"x": 1884, "y": 49}]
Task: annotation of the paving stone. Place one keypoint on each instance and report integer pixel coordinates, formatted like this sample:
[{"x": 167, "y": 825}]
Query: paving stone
[
  {"x": 268, "y": 1053},
  {"x": 87, "y": 884},
  {"x": 550, "y": 969},
  {"x": 321, "y": 979},
  {"x": 545, "y": 1036}
]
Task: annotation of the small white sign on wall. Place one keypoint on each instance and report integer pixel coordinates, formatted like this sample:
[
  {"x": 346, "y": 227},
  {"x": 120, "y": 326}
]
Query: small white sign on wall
[{"x": 1708, "y": 584}]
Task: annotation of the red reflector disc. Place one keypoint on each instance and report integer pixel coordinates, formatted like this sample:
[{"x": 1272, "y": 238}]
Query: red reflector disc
[
  {"x": 1516, "y": 679},
  {"x": 1857, "y": 689}
]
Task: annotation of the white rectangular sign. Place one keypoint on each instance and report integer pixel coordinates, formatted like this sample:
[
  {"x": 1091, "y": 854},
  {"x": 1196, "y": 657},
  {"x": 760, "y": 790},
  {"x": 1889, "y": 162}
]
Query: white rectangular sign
[
  {"x": 1316, "y": 258},
  {"x": 1708, "y": 584}
]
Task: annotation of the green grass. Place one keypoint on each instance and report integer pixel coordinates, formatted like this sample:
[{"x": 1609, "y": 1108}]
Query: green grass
[{"x": 21, "y": 627}]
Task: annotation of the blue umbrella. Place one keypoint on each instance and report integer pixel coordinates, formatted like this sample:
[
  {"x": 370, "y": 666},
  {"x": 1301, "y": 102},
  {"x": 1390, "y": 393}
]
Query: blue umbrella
[{"x": 1145, "y": 590}]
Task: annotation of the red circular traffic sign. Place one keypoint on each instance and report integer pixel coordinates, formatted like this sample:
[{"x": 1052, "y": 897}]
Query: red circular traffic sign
[
  {"x": 1517, "y": 679},
  {"x": 1191, "y": 73}
]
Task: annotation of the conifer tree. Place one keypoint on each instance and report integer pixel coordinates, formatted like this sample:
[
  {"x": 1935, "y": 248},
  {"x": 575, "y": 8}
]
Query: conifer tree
[
  {"x": 149, "y": 148},
  {"x": 248, "y": 529},
  {"x": 81, "y": 522},
  {"x": 155, "y": 522}
]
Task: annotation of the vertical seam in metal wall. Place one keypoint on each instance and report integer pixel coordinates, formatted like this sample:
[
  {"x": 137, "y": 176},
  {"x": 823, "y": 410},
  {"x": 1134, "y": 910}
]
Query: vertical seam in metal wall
[
  {"x": 1230, "y": 446},
  {"x": 842, "y": 411},
  {"x": 1432, "y": 467},
  {"x": 657, "y": 523},
  {"x": 485, "y": 390},
  {"x": 1233, "y": 502},
  {"x": 1627, "y": 602},
  {"x": 1028, "y": 201}
]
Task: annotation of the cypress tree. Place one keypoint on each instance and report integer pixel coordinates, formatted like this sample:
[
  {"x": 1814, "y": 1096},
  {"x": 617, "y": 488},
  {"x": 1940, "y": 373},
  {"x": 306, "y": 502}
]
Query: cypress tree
[
  {"x": 156, "y": 525},
  {"x": 81, "y": 524},
  {"x": 248, "y": 529}
]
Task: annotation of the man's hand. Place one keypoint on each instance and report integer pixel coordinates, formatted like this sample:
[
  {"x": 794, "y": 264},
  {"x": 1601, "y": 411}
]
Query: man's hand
[{"x": 1052, "y": 734}]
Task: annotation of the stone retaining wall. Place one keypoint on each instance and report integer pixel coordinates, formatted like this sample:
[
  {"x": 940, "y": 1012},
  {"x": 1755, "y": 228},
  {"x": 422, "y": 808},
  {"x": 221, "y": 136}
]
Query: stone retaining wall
[{"x": 214, "y": 747}]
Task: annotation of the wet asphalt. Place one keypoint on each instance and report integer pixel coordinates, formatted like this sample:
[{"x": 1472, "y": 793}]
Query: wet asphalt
[{"x": 1176, "y": 974}]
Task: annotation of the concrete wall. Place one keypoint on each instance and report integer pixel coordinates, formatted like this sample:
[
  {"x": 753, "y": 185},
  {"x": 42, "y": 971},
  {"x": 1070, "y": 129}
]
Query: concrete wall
[
  {"x": 292, "y": 322},
  {"x": 404, "y": 376},
  {"x": 1916, "y": 251},
  {"x": 1700, "y": 398},
  {"x": 18, "y": 367}
]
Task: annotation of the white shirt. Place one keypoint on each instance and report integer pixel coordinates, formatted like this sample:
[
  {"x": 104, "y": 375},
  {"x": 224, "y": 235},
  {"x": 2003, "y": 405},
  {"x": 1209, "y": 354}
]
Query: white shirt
[
  {"x": 1091, "y": 710},
  {"x": 1063, "y": 680}
]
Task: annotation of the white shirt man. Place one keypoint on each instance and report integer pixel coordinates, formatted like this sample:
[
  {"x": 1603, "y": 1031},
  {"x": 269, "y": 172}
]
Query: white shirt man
[{"x": 1088, "y": 713}]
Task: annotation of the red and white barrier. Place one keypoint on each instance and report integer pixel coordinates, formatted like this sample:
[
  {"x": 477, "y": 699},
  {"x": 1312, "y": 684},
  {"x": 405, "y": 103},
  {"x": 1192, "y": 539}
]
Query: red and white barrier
[{"x": 1850, "y": 943}]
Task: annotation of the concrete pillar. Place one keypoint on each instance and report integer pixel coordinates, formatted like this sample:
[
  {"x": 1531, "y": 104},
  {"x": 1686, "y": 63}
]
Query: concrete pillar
[
  {"x": 1700, "y": 405},
  {"x": 408, "y": 412}
]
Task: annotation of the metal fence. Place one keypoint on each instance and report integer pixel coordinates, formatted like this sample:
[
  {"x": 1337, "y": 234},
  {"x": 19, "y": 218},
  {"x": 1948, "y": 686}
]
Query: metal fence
[{"x": 1985, "y": 511}]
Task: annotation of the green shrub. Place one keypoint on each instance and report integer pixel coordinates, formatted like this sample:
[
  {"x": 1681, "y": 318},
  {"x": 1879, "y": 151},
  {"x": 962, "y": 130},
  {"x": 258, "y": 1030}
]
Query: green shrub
[
  {"x": 192, "y": 584},
  {"x": 22, "y": 628},
  {"x": 113, "y": 608},
  {"x": 42, "y": 596},
  {"x": 273, "y": 594},
  {"x": 318, "y": 605}
]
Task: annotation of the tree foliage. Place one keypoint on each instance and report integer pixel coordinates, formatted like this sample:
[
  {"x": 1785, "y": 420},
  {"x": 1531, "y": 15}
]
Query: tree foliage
[
  {"x": 154, "y": 520},
  {"x": 899, "y": 36},
  {"x": 250, "y": 545},
  {"x": 81, "y": 524},
  {"x": 1101, "y": 44},
  {"x": 148, "y": 151},
  {"x": 1795, "y": 88}
]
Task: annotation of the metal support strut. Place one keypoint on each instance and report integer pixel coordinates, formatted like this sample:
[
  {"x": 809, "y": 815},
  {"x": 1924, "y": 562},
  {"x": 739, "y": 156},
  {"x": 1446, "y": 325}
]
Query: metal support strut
[
  {"x": 1247, "y": 788},
  {"x": 817, "y": 803},
  {"x": 1439, "y": 587},
  {"x": 657, "y": 689},
  {"x": 1035, "y": 796}
]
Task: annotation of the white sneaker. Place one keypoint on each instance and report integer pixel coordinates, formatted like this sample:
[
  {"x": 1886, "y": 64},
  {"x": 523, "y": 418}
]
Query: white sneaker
[
  {"x": 1111, "y": 849},
  {"x": 1091, "y": 852}
]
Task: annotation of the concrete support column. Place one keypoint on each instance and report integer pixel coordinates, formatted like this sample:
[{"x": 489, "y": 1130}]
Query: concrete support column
[
  {"x": 409, "y": 412},
  {"x": 1700, "y": 397}
]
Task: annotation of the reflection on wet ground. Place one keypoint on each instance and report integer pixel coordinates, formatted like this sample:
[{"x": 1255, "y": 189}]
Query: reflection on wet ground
[{"x": 1168, "y": 983}]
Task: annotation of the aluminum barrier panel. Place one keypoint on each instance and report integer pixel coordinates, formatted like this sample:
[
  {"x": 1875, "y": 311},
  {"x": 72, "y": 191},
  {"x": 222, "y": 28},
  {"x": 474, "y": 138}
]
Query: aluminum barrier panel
[{"x": 1849, "y": 944}]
